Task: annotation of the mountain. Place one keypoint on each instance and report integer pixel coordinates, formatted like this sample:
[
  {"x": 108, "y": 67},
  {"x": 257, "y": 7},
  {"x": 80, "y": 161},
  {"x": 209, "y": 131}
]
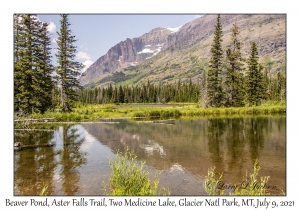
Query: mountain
[
  {"x": 165, "y": 54},
  {"x": 130, "y": 52}
]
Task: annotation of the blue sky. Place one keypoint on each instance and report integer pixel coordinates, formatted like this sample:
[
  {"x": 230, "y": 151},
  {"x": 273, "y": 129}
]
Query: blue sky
[{"x": 96, "y": 34}]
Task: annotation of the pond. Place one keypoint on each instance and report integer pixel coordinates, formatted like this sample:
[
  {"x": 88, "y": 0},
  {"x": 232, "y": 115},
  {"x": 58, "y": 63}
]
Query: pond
[{"x": 72, "y": 159}]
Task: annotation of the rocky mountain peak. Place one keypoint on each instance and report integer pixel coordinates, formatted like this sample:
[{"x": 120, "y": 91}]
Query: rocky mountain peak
[
  {"x": 130, "y": 52},
  {"x": 192, "y": 43}
]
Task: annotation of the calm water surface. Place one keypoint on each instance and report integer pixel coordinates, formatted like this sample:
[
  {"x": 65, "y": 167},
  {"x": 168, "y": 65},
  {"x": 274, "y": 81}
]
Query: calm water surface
[{"x": 77, "y": 164}]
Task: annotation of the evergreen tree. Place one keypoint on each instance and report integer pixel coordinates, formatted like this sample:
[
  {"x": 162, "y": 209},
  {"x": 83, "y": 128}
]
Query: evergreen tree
[
  {"x": 215, "y": 93},
  {"x": 23, "y": 72},
  {"x": 43, "y": 75},
  {"x": 281, "y": 83},
  {"x": 68, "y": 69},
  {"x": 32, "y": 65},
  {"x": 278, "y": 87},
  {"x": 234, "y": 71},
  {"x": 255, "y": 85},
  {"x": 19, "y": 45},
  {"x": 203, "y": 89}
]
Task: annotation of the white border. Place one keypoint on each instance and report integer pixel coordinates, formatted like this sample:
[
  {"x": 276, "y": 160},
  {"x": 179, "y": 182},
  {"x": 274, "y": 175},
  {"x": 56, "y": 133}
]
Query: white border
[{"x": 150, "y": 7}]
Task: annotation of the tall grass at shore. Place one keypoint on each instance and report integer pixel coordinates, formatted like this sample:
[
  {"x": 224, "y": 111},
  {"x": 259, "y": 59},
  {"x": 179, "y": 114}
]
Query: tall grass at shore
[
  {"x": 254, "y": 185},
  {"x": 129, "y": 178},
  {"x": 94, "y": 112}
]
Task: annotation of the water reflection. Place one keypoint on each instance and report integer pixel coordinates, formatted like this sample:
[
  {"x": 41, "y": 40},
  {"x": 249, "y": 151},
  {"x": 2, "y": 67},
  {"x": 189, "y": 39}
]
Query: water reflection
[
  {"x": 70, "y": 158},
  {"x": 78, "y": 164},
  {"x": 53, "y": 166},
  {"x": 38, "y": 161},
  {"x": 236, "y": 146},
  {"x": 215, "y": 131}
]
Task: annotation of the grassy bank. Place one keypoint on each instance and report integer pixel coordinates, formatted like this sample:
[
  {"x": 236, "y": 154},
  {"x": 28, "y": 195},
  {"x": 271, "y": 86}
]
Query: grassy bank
[{"x": 97, "y": 111}]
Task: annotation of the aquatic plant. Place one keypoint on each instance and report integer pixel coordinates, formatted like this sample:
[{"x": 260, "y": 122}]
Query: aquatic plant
[
  {"x": 253, "y": 186},
  {"x": 211, "y": 182},
  {"x": 43, "y": 192},
  {"x": 129, "y": 178}
]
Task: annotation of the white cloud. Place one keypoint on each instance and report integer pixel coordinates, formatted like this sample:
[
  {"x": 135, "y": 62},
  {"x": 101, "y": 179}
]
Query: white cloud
[
  {"x": 86, "y": 64},
  {"x": 54, "y": 40},
  {"x": 51, "y": 27},
  {"x": 82, "y": 56}
]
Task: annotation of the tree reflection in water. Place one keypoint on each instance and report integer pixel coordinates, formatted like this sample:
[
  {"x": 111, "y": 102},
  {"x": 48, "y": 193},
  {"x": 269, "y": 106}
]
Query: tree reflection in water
[
  {"x": 34, "y": 167},
  {"x": 54, "y": 166},
  {"x": 70, "y": 158}
]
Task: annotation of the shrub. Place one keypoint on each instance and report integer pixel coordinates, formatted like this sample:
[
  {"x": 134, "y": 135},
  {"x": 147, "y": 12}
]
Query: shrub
[
  {"x": 254, "y": 184},
  {"x": 139, "y": 114},
  {"x": 154, "y": 113},
  {"x": 129, "y": 178},
  {"x": 211, "y": 182},
  {"x": 176, "y": 113}
]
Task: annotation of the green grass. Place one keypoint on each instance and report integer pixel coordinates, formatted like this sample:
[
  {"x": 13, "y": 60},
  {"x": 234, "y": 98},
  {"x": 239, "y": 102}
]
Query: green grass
[
  {"x": 93, "y": 112},
  {"x": 129, "y": 178}
]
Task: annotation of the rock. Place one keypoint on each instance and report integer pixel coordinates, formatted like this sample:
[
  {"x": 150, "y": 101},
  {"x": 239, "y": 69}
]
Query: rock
[{"x": 17, "y": 144}]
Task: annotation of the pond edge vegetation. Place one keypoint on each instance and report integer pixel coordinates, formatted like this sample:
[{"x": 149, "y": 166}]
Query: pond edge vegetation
[
  {"x": 128, "y": 178},
  {"x": 96, "y": 112},
  {"x": 252, "y": 186}
]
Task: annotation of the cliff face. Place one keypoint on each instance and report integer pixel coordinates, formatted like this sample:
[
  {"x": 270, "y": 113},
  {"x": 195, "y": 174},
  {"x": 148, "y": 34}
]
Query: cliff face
[
  {"x": 130, "y": 52},
  {"x": 251, "y": 28},
  {"x": 192, "y": 40}
]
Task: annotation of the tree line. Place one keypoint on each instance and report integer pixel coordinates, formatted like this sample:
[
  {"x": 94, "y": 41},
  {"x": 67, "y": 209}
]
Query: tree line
[
  {"x": 229, "y": 83},
  {"x": 145, "y": 93},
  {"x": 230, "y": 80},
  {"x": 35, "y": 78}
]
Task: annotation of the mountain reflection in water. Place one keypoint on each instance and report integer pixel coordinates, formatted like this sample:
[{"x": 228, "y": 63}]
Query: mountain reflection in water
[{"x": 183, "y": 152}]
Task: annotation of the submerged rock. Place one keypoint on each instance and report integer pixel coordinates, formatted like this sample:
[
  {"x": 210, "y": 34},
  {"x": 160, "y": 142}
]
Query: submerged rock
[{"x": 17, "y": 145}]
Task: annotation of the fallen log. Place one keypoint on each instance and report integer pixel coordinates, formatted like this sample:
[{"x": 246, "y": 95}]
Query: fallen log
[
  {"x": 33, "y": 120},
  {"x": 74, "y": 122},
  {"x": 33, "y": 129},
  {"x": 164, "y": 121},
  {"x": 168, "y": 122},
  {"x": 20, "y": 146}
]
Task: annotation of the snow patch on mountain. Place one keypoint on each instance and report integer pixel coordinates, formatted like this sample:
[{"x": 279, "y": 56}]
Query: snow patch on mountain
[
  {"x": 146, "y": 50},
  {"x": 174, "y": 29}
]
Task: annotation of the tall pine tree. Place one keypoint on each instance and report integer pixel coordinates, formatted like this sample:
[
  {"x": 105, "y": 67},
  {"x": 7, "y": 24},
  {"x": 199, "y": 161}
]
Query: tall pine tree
[
  {"x": 68, "y": 69},
  {"x": 215, "y": 93},
  {"x": 254, "y": 84},
  {"x": 44, "y": 69},
  {"x": 233, "y": 88},
  {"x": 32, "y": 65}
]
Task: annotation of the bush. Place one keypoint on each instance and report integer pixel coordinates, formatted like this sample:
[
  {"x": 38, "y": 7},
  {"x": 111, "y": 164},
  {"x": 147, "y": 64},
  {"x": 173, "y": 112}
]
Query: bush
[
  {"x": 139, "y": 114},
  {"x": 154, "y": 113},
  {"x": 129, "y": 178}
]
